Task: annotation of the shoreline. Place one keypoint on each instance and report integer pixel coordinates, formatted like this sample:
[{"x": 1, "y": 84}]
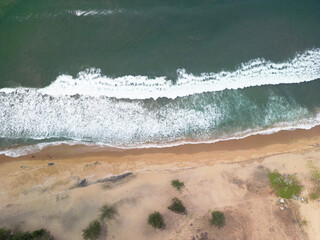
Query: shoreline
[
  {"x": 97, "y": 163},
  {"x": 227, "y": 175},
  {"x": 66, "y": 151}
]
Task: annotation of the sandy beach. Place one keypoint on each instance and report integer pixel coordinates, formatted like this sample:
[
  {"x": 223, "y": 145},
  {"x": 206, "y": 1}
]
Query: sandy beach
[{"x": 44, "y": 189}]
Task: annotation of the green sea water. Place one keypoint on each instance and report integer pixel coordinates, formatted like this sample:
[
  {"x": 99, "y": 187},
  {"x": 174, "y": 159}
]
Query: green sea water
[
  {"x": 133, "y": 73},
  {"x": 41, "y": 39}
]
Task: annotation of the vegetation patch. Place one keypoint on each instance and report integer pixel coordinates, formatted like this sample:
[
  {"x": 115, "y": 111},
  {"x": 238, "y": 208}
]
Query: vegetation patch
[
  {"x": 315, "y": 179},
  {"x": 285, "y": 185},
  {"x": 177, "y": 184},
  {"x": 107, "y": 212},
  {"x": 177, "y": 206},
  {"x": 218, "y": 219},
  {"x": 92, "y": 232},
  {"x": 155, "y": 219},
  {"x": 5, "y": 234},
  {"x": 41, "y": 234}
]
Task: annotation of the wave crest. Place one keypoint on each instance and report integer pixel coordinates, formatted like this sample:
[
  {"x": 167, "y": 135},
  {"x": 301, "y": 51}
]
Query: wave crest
[
  {"x": 82, "y": 109},
  {"x": 257, "y": 72}
]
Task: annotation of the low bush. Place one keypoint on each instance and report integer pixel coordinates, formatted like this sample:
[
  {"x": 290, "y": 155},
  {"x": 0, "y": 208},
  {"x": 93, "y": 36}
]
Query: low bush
[
  {"x": 155, "y": 220},
  {"x": 315, "y": 179},
  {"x": 314, "y": 195},
  {"x": 286, "y": 186},
  {"x": 5, "y": 234},
  {"x": 92, "y": 232},
  {"x": 177, "y": 206},
  {"x": 218, "y": 219},
  {"x": 177, "y": 184},
  {"x": 107, "y": 212},
  {"x": 40, "y": 234}
]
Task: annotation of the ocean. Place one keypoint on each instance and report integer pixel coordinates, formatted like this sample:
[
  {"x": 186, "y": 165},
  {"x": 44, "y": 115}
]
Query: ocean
[{"x": 147, "y": 73}]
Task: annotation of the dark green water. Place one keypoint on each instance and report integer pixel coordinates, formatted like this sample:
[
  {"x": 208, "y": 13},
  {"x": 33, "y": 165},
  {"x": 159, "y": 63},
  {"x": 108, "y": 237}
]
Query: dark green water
[
  {"x": 39, "y": 39},
  {"x": 188, "y": 54}
]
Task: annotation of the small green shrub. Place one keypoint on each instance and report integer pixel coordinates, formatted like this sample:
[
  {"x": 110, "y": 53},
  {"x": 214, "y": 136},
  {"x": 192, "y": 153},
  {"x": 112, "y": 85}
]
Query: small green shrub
[
  {"x": 92, "y": 232},
  {"x": 177, "y": 184},
  {"x": 314, "y": 195},
  {"x": 286, "y": 186},
  {"x": 315, "y": 172},
  {"x": 40, "y": 234},
  {"x": 155, "y": 220},
  {"x": 107, "y": 212},
  {"x": 22, "y": 236},
  {"x": 304, "y": 222},
  {"x": 315, "y": 179},
  {"x": 177, "y": 206},
  {"x": 5, "y": 234},
  {"x": 218, "y": 219}
]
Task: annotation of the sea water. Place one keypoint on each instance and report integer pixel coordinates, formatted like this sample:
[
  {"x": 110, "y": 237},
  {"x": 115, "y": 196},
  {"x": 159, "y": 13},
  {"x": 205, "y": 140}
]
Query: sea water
[{"x": 152, "y": 73}]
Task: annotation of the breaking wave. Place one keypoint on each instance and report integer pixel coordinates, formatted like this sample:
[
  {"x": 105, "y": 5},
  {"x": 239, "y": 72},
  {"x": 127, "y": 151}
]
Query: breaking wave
[
  {"x": 76, "y": 12},
  {"x": 302, "y": 68},
  {"x": 137, "y": 111}
]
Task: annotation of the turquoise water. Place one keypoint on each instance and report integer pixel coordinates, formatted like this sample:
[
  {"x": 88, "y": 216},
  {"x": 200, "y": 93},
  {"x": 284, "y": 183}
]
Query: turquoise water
[{"x": 155, "y": 73}]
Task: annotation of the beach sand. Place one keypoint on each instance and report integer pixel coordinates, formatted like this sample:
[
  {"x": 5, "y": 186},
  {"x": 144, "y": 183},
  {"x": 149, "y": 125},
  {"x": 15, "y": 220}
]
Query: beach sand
[{"x": 229, "y": 176}]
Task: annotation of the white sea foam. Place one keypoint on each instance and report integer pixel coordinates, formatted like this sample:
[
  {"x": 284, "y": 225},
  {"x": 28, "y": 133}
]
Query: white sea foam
[
  {"x": 81, "y": 109},
  {"x": 76, "y": 12},
  {"x": 26, "y": 113},
  {"x": 303, "y": 67},
  {"x": 100, "y": 12},
  {"x": 31, "y": 149}
]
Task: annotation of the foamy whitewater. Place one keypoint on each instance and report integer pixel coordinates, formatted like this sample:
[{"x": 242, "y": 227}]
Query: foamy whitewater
[
  {"x": 137, "y": 111},
  {"x": 258, "y": 72},
  {"x": 303, "y": 68},
  {"x": 77, "y": 13}
]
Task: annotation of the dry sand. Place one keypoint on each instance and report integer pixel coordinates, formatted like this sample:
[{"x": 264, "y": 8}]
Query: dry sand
[{"x": 228, "y": 176}]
